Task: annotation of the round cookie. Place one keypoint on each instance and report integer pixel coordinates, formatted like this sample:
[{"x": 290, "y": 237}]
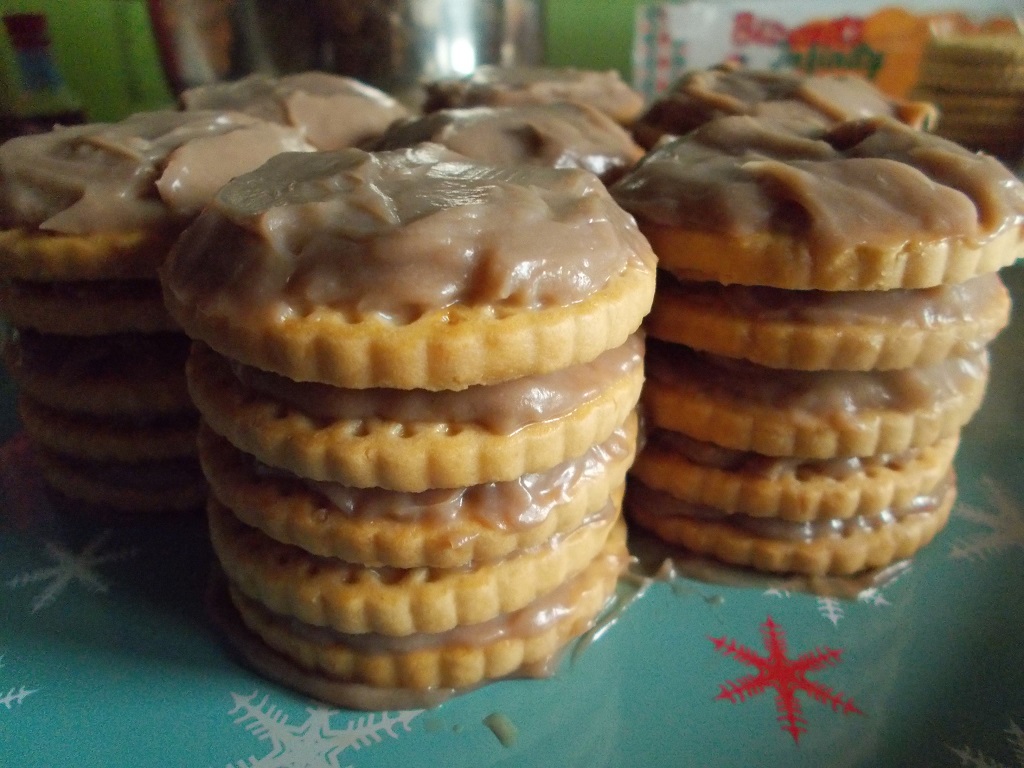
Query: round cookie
[
  {"x": 349, "y": 598},
  {"x": 813, "y": 330},
  {"x": 437, "y": 528},
  {"x": 859, "y": 544},
  {"x": 513, "y": 86},
  {"x": 329, "y": 670},
  {"x": 788, "y": 488},
  {"x": 540, "y": 270},
  {"x": 560, "y": 135},
  {"x": 522, "y": 642},
  {"x": 368, "y": 450},
  {"x": 865, "y": 205},
  {"x": 332, "y": 111},
  {"x": 144, "y": 487},
  {"x": 701, "y": 95},
  {"x": 118, "y": 374},
  {"x": 810, "y": 414}
]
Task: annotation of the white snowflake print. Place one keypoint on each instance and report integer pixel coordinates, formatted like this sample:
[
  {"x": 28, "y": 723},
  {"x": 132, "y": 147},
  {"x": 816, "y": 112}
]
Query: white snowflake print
[
  {"x": 314, "y": 743},
  {"x": 978, "y": 759},
  {"x": 15, "y": 695},
  {"x": 1002, "y": 517},
  {"x": 69, "y": 567},
  {"x": 832, "y": 608}
]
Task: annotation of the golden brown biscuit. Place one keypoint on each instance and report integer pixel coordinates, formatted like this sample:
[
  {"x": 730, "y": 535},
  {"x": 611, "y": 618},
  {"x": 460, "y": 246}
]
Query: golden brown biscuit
[
  {"x": 438, "y": 528},
  {"x": 409, "y": 456},
  {"x": 865, "y": 205},
  {"x": 810, "y": 414},
  {"x": 328, "y": 592},
  {"x": 791, "y": 489},
  {"x": 521, "y": 642},
  {"x": 810, "y": 330},
  {"x": 861, "y": 545},
  {"x": 115, "y": 374},
  {"x": 139, "y": 488}
]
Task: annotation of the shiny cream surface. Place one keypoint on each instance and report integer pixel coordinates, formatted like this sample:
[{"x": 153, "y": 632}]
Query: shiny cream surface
[
  {"x": 868, "y": 183},
  {"x": 332, "y": 111},
  {"x": 394, "y": 235},
  {"x": 151, "y": 169}
]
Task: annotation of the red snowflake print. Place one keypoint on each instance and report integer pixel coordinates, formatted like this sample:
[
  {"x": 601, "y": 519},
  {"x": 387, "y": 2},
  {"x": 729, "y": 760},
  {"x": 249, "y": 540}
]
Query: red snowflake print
[{"x": 787, "y": 676}]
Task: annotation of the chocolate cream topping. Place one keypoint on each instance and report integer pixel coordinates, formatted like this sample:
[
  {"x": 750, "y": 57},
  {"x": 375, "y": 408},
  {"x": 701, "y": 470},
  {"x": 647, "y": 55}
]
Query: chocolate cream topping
[
  {"x": 398, "y": 234},
  {"x": 869, "y": 182},
  {"x": 332, "y": 111},
  {"x": 511, "y": 86},
  {"x": 559, "y": 135},
  {"x": 706, "y": 94},
  {"x": 149, "y": 170},
  {"x": 501, "y": 408}
]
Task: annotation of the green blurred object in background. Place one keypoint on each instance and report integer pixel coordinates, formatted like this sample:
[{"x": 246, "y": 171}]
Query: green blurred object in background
[
  {"x": 107, "y": 53},
  {"x": 590, "y": 34},
  {"x": 103, "y": 50}
]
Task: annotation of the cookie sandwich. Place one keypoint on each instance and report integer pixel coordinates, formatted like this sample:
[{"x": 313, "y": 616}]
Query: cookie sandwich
[
  {"x": 818, "y": 337},
  {"x": 417, "y": 377},
  {"x": 89, "y": 214},
  {"x": 497, "y": 86},
  {"x": 332, "y": 111},
  {"x": 559, "y": 135}
]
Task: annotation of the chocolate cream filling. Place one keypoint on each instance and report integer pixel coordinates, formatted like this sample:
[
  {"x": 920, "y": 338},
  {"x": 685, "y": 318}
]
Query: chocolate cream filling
[
  {"x": 505, "y": 506},
  {"x": 500, "y": 408},
  {"x": 714, "y": 456},
  {"x": 663, "y": 504},
  {"x": 907, "y": 390},
  {"x": 532, "y": 620},
  {"x": 926, "y": 308}
]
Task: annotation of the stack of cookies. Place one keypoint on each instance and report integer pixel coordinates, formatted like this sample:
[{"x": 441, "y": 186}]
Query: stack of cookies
[
  {"x": 417, "y": 377},
  {"x": 88, "y": 215},
  {"x": 824, "y": 301},
  {"x": 977, "y": 82}
]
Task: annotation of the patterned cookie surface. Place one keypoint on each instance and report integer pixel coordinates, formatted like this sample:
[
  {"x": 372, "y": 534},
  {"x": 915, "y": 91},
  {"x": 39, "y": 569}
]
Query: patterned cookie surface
[
  {"x": 811, "y": 330},
  {"x": 349, "y": 598},
  {"x": 438, "y": 528},
  {"x": 810, "y": 414},
  {"x": 872, "y": 546},
  {"x": 787, "y": 488},
  {"x": 370, "y": 452}
]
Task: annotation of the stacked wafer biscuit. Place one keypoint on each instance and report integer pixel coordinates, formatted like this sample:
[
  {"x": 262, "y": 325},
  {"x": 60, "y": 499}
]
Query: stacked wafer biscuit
[
  {"x": 818, "y": 336},
  {"x": 417, "y": 377},
  {"x": 90, "y": 213},
  {"x": 977, "y": 82}
]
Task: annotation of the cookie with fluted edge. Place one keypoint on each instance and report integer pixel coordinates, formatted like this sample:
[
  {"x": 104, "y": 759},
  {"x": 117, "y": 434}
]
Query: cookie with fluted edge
[
  {"x": 41, "y": 256},
  {"x": 438, "y": 528},
  {"x": 791, "y": 489},
  {"x": 85, "y": 308},
  {"x": 104, "y": 437},
  {"x": 114, "y": 374},
  {"x": 871, "y": 546},
  {"x": 416, "y": 456},
  {"x": 811, "y": 330},
  {"x": 144, "y": 487},
  {"x": 329, "y": 592},
  {"x": 463, "y": 657},
  {"x": 865, "y": 205},
  {"x": 424, "y": 270},
  {"x": 809, "y": 414}
]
